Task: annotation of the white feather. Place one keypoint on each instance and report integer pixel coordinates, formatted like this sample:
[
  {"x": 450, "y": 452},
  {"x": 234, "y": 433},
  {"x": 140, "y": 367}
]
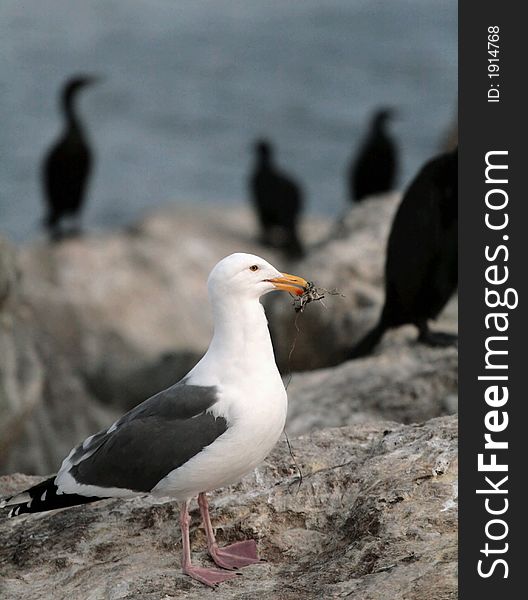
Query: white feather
[
  {"x": 66, "y": 484},
  {"x": 17, "y": 499}
]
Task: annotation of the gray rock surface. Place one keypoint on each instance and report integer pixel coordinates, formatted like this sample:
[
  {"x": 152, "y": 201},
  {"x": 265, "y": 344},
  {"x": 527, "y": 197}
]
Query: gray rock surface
[
  {"x": 8, "y": 271},
  {"x": 21, "y": 372},
  {"x": 375, "y": 518},
  {"x": 408, "y": 386},
  {"x": 44, "y": 405}
]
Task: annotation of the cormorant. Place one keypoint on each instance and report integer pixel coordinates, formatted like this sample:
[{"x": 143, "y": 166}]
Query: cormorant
[
  {"x": 67, "y": 164},
  {"x": 421, "y": 270},
  {"x": 278, "y": 202},
  {"x": 373, "y": 170}
]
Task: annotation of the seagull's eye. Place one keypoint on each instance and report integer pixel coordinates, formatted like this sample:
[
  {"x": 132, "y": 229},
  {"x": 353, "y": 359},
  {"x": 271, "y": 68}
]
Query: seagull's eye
[{"x": 254, "y": 268}]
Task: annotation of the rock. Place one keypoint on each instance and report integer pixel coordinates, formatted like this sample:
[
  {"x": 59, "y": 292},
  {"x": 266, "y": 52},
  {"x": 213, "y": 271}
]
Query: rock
[
  {"x": 44, "y": 405},
  {"x": 8, "y": 272},
  {"x": 375, "y": 518},
  {"x": 133, "y": 303},
  {"x": 21, "y": 370},
  {"x": 64, "y": 414},
  {"x": 407, "y": 385},
  {"x": 352, "y": 260}
]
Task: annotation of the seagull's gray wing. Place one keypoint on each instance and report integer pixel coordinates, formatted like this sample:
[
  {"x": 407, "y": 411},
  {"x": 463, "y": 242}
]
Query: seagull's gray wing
[{"x": 150, "y": 441}]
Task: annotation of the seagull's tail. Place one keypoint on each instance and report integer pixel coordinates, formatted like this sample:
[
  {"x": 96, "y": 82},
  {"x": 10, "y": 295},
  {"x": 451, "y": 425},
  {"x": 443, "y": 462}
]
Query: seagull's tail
[{"x": 42, "y": 497}]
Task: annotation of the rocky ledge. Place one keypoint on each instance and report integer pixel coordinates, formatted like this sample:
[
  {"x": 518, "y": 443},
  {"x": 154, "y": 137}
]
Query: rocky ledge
[{"x": 374, "y": 518}]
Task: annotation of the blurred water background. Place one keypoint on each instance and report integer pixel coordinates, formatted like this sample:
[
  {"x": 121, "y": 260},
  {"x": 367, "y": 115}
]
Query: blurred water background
[{"x": 188, "y": 84}]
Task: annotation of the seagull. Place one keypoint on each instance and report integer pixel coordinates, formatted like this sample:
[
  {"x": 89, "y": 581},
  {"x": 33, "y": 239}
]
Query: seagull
[
  {"x": 68, "y": 163},
  {"x": 204, "y": 432}
]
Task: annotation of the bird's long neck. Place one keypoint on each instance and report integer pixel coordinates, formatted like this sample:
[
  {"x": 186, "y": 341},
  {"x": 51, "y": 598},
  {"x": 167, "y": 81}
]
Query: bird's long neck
[
  {"x": 379, "y": 128},
  {"x": 241, "y": 341},
  {"x": 69, "y": 111},
  {"x": 265, "y": 163}
]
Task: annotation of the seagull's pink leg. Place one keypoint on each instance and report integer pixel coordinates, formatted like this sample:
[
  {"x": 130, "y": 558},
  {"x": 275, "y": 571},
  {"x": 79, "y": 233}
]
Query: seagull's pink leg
[
  {"x": 239, "y": 554},
  {"x": 210, "y": 577}
]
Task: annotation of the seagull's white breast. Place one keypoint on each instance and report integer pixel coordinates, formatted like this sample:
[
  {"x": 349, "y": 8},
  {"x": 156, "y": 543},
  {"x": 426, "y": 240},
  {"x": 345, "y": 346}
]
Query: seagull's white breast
[
  {"x": 241, "y": 365},
  {"x": 256, "y": 414}
]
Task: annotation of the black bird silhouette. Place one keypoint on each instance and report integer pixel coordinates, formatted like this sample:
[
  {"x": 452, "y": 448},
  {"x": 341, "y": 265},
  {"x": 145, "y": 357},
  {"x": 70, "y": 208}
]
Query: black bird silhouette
[
  {"x": 277, "y": 200},
  {"x": 421, "y": 269},
  {"x": 67, "y": 164},
  {"x": 373, "y": 170}
]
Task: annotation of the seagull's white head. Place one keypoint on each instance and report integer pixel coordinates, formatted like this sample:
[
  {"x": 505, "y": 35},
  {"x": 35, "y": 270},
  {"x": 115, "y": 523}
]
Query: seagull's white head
[{"x": 249, "y": 276}]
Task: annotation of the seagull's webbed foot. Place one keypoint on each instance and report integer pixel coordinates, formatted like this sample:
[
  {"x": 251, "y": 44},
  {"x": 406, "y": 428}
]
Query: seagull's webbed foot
[
  {"x": 235, "y": 556},
  {"x": 210, "y": 577}
]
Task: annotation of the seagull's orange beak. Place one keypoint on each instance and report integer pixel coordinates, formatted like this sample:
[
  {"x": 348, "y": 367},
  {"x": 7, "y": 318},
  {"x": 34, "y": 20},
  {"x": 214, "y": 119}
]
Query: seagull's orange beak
[{"x": 290, "y": 283}]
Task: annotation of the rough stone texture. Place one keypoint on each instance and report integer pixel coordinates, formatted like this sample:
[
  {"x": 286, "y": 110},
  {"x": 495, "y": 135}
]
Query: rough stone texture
[
  {"x": 44, "y": 406},
  {"x": 21, "y": 374},
  {"x": 408, "y": 386},
  {"x": 352, "y": 260},
  {"x": 8, "y": 272},
  {"x": 375, "y": 518}
]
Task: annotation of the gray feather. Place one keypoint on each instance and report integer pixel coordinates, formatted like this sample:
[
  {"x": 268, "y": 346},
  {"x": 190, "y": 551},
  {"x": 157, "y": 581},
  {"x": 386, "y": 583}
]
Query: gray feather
[{"x": 151, "y": 440}]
